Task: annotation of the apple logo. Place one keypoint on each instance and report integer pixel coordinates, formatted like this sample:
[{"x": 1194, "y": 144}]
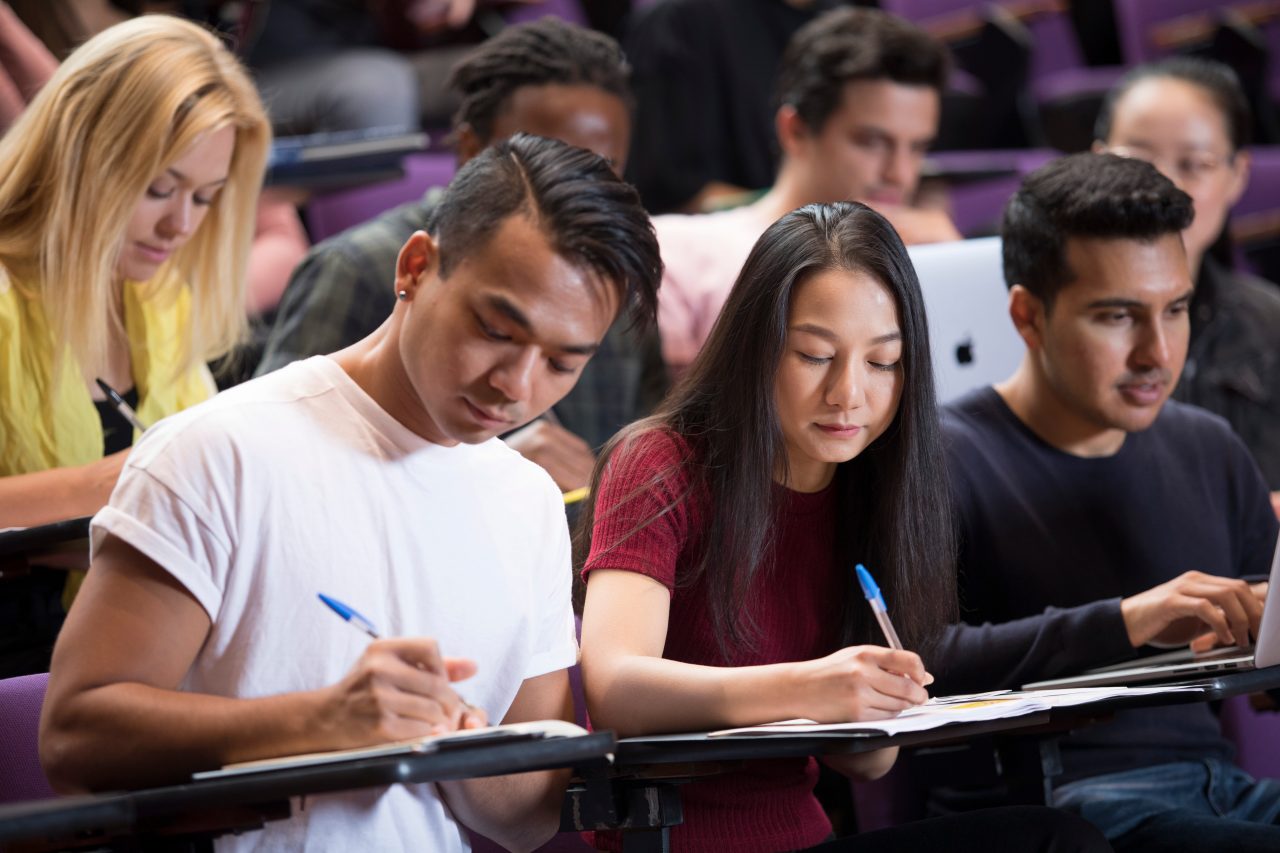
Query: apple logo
[{"x": 964, "y": 351}]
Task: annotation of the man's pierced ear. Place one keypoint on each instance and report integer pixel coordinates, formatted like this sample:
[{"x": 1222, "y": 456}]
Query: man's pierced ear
[{"x": 402, "y": 295}]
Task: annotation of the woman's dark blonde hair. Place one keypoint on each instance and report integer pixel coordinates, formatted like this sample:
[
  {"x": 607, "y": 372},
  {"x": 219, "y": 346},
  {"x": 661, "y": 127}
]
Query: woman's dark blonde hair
[{"x": 121, "y": 108}]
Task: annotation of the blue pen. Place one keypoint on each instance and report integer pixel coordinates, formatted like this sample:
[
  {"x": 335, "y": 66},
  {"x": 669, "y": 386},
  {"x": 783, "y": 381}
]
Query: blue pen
[
  {"x": 354, "y": 616},
  {"x": 876, "y": 600},
  {"x": 351, "y": 615}
]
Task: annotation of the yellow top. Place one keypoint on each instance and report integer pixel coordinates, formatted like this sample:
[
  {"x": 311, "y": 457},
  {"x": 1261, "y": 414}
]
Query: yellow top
[
  {"x": 54, "y": 424},
  {"x": 46, "y": 424}
]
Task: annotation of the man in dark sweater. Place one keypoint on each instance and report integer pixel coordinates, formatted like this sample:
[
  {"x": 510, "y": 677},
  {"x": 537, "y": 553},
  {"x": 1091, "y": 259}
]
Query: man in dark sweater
[{"x": 1097, "y": 517}]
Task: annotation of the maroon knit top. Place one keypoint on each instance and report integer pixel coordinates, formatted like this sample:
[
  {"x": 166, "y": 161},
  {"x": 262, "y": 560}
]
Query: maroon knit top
[{"x": 795, "y": 603}]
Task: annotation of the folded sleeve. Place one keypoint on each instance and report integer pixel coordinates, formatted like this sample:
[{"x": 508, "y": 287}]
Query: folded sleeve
[
  {"x": 170, "y": 510},
  {"x": 642, "y": 518}
]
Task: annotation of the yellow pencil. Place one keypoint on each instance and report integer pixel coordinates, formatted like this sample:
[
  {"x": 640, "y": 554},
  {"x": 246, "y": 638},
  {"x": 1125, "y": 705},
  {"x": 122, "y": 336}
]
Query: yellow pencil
[{"x": 575, "y": 495}]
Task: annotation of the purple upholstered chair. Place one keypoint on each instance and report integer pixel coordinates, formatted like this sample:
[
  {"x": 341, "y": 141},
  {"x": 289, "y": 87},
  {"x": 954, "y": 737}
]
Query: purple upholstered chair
[
  {"x": 976, "y": 206},
  {"x": 21, "y": 777},
  {"x": 1256, "y": 735},
  {"x": 566, "y": 10},
  {"x": 333, "y": 212},
  {"x": 1137, "y": 19}
]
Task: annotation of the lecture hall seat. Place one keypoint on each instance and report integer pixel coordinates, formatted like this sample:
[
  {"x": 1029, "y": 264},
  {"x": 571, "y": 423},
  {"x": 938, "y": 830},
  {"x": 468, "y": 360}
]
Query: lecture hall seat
[{"x": 21, "y": 777}]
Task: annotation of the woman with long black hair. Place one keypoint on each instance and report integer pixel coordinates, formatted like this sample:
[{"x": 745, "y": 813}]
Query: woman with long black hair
[{"x": 722, "y": 534}]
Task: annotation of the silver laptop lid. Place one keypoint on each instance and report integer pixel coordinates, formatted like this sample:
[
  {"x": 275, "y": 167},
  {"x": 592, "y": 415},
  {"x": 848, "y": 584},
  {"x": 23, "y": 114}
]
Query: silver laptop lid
[
  {"x": 1267, "y": 649},
  {"x": 972, "y": 339}
]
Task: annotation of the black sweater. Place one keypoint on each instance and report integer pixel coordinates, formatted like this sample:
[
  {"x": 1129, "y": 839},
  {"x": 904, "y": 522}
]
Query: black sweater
[{"x": 1050, "y": 543}]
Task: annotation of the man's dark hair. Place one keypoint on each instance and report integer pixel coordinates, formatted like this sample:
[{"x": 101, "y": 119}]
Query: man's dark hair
[
  {"x": 1218, "y": 81},
  {"x": 850, "y": 45},
  {"x": 589, "y": 215},
  {"x": 1084, "y": 195},
  {"x": 534, "y": 54}
]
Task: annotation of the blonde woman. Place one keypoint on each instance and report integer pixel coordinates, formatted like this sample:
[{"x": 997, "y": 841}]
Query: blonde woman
[{"x": 127, "y": 197}]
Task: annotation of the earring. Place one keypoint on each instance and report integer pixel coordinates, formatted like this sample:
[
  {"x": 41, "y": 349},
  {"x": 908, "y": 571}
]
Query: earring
[{"x": 402, "y": 295}]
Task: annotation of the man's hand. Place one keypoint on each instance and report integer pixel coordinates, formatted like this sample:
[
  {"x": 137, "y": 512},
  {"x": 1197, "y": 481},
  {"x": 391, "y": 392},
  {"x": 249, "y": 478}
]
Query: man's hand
[
  {"x": 1196, "y": 608},
  {"x": 399, "y": 689},
  {"x": 565, "y": 456}
]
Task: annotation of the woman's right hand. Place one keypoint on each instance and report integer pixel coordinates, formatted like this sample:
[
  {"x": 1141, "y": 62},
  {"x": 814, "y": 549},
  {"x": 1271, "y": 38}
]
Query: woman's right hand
[{"x": 859, "y": 683}]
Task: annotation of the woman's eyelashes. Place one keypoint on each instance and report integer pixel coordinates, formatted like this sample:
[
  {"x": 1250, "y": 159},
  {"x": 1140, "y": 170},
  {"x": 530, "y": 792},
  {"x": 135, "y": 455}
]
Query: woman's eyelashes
[
  {"x": 810, "y": 358},
  {"x": 161, "y": 194}
]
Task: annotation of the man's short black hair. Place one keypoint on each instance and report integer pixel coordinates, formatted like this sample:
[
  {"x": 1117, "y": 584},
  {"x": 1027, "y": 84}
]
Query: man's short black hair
[
  {"x": 590, "y": 216},
  {"x": 1089, "y": 196},
  {"x": 849, "y": 45},
  {"x": 540, "y": 53}
]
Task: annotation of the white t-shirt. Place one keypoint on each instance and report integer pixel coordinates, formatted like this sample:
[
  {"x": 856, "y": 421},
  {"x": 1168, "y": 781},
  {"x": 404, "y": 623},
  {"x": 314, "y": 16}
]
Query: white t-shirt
[{"x": 299, "y": 483}]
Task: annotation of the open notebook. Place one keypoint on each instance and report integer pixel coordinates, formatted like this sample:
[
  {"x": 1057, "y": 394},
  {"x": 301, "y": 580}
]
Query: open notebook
[
  {"x": 433, "y": 743},
  {"x": 948, "y": 710}
]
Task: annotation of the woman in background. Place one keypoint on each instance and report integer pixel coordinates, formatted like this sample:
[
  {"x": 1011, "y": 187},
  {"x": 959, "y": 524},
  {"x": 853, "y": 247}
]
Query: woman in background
[
  {"x": 1190, "y": 118},
  {"x": 127, "y": 196}
]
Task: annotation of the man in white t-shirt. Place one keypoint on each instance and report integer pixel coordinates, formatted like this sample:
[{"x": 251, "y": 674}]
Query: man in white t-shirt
[
  {"x": 373, "y": 476},
  {"x": 860, "y": 94}
]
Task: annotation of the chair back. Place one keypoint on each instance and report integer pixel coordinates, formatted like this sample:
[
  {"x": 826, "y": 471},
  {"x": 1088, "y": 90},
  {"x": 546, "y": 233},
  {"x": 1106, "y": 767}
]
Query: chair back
[
  {"x": 1256, "y": 735},
  {"x": 566, "y": 10},
  {"x": 1138, "y": 23},
  {"x": 334, "y": 212},
  {"x": 21, "y": 776}
]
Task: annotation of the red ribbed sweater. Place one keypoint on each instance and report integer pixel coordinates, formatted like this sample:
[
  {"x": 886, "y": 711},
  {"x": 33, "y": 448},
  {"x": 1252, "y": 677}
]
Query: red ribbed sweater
[{"x": 769, "y": 805}]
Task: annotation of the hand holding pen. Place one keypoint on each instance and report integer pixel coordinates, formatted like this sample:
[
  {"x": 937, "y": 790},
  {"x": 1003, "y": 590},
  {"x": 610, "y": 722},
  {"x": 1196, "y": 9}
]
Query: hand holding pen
[
  {"x": 867, "y": 682},
  {"x": 400, "y": 688}
]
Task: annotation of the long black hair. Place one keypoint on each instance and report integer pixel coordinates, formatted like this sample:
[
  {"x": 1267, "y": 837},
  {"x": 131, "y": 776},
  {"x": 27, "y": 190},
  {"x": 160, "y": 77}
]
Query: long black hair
[{"x": 892, "y": 500}]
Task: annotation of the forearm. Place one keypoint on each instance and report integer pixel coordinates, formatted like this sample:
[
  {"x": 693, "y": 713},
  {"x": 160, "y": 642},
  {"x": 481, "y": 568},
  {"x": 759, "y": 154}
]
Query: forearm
[
  {"x": 520, "y": 812},
  {"x": 1056, "y": 642},
  {"x": 41, "y": 497},
  {"x": 129, "y": 735},
  {"x": 863, "y": 765},
  {"x": 693, "y": 698}
]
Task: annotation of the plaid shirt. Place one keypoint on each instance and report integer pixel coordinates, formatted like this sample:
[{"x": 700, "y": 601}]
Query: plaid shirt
[{"x": 342, "y": 291}]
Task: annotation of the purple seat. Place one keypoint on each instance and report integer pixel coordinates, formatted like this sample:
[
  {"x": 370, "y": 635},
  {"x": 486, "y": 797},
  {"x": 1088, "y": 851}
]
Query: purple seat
[
  {"x": 21, "y": 777},
  {"x": 976, "y": 206},
  {"x": 1256, "y": 736},
  {"x": 1136, "y": 21},
  {"x": 1263, "y": 192},
  {"x": 1253, "y": 219},
  {"x": 565, "y": 10},
  {"x": 334, "y": 212}
]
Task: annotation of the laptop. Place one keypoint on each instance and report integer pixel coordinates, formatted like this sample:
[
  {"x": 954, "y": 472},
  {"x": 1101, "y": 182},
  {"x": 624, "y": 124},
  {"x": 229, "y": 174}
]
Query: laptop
[
  {"x": 1184, "y": 664},
  {"x": 972, "y": 339}
]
